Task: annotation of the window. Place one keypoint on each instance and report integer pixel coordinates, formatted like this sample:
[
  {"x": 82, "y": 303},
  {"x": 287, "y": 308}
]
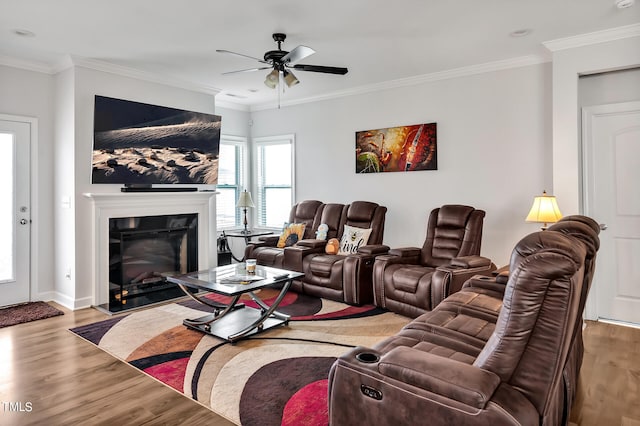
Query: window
[
  {"x": 231, "y": 169},
  {"x": 274, "y": 179}
]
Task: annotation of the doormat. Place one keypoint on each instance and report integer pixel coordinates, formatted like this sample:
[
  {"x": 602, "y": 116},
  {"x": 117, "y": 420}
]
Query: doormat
[
  {"x": 27, "y": 312},
  {"x": 278, "y": 377}
]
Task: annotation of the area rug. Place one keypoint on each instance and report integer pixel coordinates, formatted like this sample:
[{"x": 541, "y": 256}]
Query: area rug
[
  {"x": 27, "y": 312},
  {"x": 278, "y": 377}
]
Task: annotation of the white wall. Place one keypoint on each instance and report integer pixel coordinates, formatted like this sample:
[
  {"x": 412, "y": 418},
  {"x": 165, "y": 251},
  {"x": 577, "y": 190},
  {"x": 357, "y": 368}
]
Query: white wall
[
  {"x": 234, "y": 122},
  {"x": 609, "y": 87},
  {"x": 30, "y": 94},
  {"x": 64, "y": 184},
  {"x": 494, "y": 145}
]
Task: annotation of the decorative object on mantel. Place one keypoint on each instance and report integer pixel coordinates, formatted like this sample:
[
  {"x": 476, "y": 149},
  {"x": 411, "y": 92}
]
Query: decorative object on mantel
[
  {"x": 245, "y": 202},
  {"x": 544, "y": 210},
  {"x": 397, "y": 149}
]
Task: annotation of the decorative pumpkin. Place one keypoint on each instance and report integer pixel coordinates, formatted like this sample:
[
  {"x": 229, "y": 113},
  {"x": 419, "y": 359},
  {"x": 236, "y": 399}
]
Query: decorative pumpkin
[{"x": 332, "y": 247}]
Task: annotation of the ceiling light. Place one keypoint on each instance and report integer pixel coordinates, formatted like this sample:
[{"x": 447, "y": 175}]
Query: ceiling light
[
  {"x": 24, "y": 33},
  {"x": 272, "y": 79},
  {"x": 623, "y": 4},
  {"x": 520, "y": 33},
  {"x": 290, "y": 79}
]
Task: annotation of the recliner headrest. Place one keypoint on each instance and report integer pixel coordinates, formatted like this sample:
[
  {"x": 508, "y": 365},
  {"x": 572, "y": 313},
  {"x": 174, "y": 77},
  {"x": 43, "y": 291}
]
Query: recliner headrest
[
  {"x": 454, "y": 215},
  {"x": 307, "y": 208},
  {"x": 581, "y": 231},
  {"x": 361, "y": 211}
]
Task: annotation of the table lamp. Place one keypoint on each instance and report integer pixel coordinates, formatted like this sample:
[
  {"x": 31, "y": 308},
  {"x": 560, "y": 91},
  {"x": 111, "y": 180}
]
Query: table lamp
[
  {"x": 245, "y": 202},
  {"x": 544, "y": 210}
]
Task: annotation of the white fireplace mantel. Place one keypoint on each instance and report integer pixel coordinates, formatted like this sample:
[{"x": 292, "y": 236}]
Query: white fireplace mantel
[{"x": 135, "y": 204}]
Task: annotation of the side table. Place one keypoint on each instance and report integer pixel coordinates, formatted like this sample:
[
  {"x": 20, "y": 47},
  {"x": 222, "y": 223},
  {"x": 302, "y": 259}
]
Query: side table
[{"x": 247, "y": 238}]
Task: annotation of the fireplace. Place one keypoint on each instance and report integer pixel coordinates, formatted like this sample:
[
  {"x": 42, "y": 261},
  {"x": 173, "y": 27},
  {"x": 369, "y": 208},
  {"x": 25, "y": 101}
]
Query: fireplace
[
  {"x": 143, "y": 251},
  {"x": 127, "y": 209}
]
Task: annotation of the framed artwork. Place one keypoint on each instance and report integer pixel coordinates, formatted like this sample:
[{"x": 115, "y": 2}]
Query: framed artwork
[{"x": 397, "y": 149}]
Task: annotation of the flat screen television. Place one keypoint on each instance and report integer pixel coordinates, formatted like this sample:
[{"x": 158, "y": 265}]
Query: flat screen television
[{"x": 138, "y": 144}]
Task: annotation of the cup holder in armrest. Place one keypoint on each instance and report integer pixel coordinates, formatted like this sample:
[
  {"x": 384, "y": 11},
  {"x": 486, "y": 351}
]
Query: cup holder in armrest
[{"x": 367, "y": 357}]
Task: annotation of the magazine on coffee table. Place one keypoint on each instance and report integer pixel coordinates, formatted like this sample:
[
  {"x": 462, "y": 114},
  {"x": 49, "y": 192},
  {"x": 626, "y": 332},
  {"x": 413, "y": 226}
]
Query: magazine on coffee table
[{"x": 240, "y": 279}]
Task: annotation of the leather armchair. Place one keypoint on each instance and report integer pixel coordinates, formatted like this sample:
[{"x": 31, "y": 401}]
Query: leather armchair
[
  {"x": 411, "y": 281},
  {"x": 345, "y": 278},
  {"x": 265, "y": 250},
  {"x": 455, "y": 375}
]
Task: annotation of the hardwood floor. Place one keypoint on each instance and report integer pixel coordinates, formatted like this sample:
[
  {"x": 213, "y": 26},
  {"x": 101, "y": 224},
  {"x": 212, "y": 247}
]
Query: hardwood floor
[
  {"x": 67, "y": 381},
  {"x": 609, "y": 387}
]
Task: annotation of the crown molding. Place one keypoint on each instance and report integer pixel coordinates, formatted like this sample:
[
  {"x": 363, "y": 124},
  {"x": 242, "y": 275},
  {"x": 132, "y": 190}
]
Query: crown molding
[
  {"x": 587, "y": 39},
  {"x": 24, "y": 64},
  {"x": 124, "y": 71},
  {"x": 412, "y": 81},
  {"x": 232, "y": 105}
]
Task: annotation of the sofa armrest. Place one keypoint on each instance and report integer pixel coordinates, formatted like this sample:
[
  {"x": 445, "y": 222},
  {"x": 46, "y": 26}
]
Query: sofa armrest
[
  {"x": 373, "y": 249},
  {"x": 449, "y": 279},
  {"x": 269, "y": 240},
  {"x": 443, "y": 376},
  {"x": 311, "y": 243},
  {"x": 470, "y": 262},
  {"x": 293, "y": 255},
  {"x": 406, "y": 252}
]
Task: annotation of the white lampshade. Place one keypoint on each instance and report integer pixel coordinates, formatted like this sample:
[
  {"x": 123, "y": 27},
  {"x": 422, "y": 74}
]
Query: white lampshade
[
  {"x": 544, "y": 210},
  {"x": 245, "y": 200}
]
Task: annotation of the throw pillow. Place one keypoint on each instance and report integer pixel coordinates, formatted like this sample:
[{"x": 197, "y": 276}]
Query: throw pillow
[
  {"x": 291, "y": 234},
  {"x": 352, "y": 239}
]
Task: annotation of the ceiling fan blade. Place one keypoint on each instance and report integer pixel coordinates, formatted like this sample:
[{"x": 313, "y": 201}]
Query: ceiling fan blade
[
  {"x": 247, "y": 70},
  {"x": 240, "y": 54},
  {"x": 298, "y": 54},
  {"x": 320, "y": 68}
]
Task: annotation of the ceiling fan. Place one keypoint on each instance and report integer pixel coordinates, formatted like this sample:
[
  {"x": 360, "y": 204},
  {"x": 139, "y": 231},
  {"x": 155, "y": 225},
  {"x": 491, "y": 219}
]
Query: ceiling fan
[{"x": 281, "y": 62}]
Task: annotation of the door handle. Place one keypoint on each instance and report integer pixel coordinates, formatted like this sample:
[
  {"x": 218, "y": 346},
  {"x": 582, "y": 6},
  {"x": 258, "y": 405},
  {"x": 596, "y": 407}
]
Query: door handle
[
  {"x": 603, "y": 226},
  {"x": 23, "y": 221}
]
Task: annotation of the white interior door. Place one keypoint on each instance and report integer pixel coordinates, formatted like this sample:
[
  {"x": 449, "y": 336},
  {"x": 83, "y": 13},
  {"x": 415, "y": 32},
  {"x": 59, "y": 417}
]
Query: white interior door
[
  {"x": 611, "y": 135},
  {"x": 15, "y": 212}
]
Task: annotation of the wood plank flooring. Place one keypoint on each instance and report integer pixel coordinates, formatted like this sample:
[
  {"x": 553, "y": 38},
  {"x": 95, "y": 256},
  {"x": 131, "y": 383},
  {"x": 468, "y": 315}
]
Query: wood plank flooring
[{"x": 68, "y": 381}]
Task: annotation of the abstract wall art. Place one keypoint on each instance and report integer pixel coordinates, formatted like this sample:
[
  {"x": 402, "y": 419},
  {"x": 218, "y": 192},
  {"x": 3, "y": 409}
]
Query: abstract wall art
[{"x": 397, "y": 149}]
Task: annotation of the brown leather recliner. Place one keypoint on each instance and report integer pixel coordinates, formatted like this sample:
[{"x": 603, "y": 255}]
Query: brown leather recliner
[
  {"x": 345, "y": 278},
  {"x": 411, "y": 281},
  {"x": 465, "y": 321},
  {"x": 266, "y": 252},
  {"x": 515, "y": 377}
]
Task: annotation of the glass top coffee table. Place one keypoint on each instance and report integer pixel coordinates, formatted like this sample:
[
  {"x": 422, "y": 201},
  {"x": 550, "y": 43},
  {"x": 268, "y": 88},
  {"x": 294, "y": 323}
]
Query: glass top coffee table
[{"x": 235, "y": 321}]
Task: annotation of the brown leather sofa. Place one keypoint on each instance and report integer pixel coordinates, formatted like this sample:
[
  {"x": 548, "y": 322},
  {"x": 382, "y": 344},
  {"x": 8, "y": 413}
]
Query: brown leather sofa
[
  {"x": 411, "y": 281},
  {"x": 265, "y": 250},
  {"x": 345, "y": 278},
  {"x": 497, "y": 352}
]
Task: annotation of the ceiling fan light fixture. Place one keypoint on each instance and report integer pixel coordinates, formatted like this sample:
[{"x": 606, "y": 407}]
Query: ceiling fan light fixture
[
  {"x": 272, "y": 79},
  {"x": 290, "y": 79}
]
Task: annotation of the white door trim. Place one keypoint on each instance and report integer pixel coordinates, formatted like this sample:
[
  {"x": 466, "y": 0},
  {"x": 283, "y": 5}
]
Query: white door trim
[
  {"x": 588, "y": 113},
  {"x": 35, "y": 211}
]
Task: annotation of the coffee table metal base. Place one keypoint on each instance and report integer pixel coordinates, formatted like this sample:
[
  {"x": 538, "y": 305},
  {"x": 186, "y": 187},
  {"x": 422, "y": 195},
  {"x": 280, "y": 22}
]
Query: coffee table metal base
[
  {"x": 236, "y": 325},
  {"x": 235, "y": 321}
]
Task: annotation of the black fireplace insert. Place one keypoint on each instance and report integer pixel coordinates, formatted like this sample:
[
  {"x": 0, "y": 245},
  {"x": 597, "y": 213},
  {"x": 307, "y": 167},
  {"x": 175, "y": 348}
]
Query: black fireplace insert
[{"x": 143, "y": 251}]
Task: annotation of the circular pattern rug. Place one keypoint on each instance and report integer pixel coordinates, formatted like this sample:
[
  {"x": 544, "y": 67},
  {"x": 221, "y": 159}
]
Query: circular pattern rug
[{"x": 278, "y": 377}]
